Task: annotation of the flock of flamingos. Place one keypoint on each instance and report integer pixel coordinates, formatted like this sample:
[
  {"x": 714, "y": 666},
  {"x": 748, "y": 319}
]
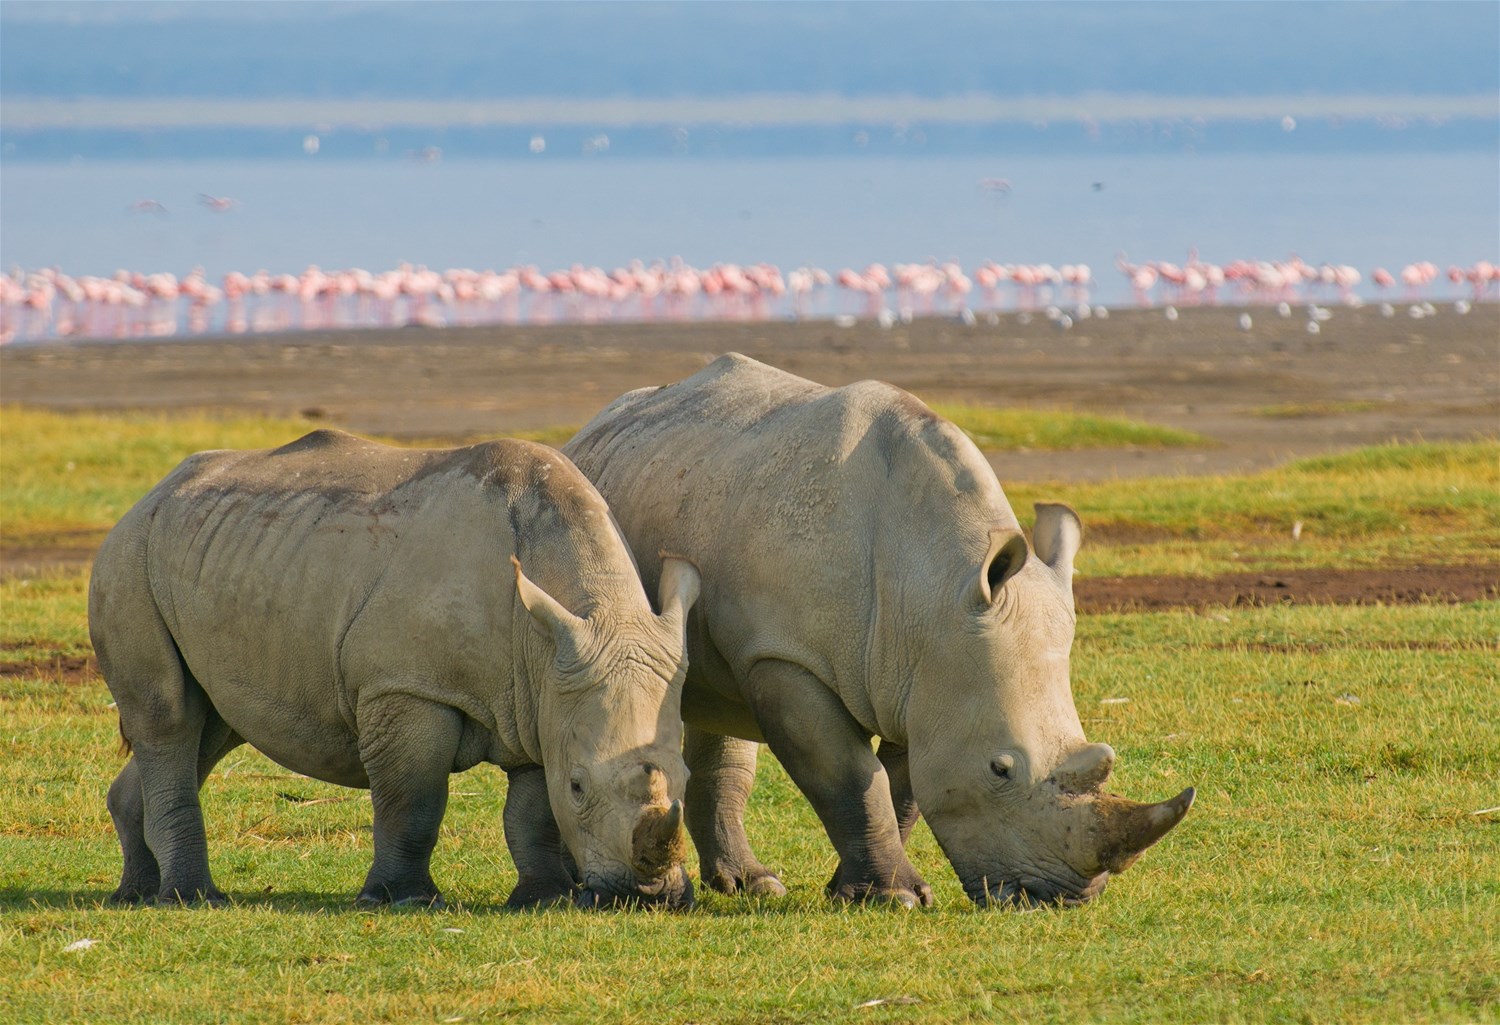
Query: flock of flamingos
[{"x": 48, "y": 304}]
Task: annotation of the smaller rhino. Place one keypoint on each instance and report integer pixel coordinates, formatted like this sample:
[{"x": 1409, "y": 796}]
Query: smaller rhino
[{"x": 359, "y": 614}]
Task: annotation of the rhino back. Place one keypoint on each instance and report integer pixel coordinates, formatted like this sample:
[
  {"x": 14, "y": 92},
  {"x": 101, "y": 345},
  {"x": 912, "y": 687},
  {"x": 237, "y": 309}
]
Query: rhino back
[
  {"x": 815, "y": 514},
  {"x": 294, "y": 579}
]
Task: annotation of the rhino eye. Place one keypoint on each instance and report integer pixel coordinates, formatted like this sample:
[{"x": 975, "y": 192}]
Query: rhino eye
[
  {"x": 575, "y": 785},
  {"x": 1001, "y": 766}
]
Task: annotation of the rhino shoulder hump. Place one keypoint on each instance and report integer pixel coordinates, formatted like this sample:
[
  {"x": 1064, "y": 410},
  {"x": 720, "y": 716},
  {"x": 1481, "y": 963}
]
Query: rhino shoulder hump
[
  {"x": 516, "y": 466},
  {"x": 881, "y": 398},
  {"x": 323, "y": 438},
  {"x": 508, "y": 461},
  {"x": 907, "y": 434}
]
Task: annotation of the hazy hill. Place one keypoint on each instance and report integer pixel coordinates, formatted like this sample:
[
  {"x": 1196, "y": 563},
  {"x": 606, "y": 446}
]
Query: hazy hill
[{"x": 475, "y": 50}]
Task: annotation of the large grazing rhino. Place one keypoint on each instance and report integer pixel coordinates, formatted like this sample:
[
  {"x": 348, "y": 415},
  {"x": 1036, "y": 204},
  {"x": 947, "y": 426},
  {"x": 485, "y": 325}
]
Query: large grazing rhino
[
  {"x": 864, "y": 576},
  {"x": 359, "y": 614}
]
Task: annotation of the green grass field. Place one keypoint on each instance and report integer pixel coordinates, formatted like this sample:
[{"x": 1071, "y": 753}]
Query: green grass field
[
  {"x": 1056, "y": 430},
  {"x": 1342, "y": 862},
  {"x": 70, "y": 477}
]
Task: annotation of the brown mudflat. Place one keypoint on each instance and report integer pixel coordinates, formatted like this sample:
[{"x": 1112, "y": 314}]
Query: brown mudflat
[{"x": 1263, "y": 395}]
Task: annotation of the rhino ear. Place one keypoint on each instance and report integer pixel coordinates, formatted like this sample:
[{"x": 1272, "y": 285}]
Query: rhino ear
[
  {"x": 678, "y": 590},
  {"x": 1057, "y": 536},
  {"x": 1006, "y": 556},
  {"x": 547, "y": 612}
]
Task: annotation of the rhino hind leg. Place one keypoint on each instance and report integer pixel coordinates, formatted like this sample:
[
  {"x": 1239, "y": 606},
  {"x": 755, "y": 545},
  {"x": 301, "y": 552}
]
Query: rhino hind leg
[
  {"x": 166, "y": 718},
  {"x": 722, "y": 774},
  {"x": 140, "y": 880},
  {"x": 828, "y": 756},
  {"x": 408, "y": 746},
  {"x": 546, "y": 873}
]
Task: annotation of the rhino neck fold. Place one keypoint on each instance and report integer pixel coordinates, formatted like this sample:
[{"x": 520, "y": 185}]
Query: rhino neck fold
[
  {"x": 530, "y": 657},
  {"x": 916, "y": 617}
]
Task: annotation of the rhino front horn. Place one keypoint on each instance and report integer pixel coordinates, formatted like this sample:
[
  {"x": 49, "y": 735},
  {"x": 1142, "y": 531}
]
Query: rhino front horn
[
  {"x": 657, "y": 844},
  {"x": 1127, "y": 828},
  {"x": 673, "y": 820}
]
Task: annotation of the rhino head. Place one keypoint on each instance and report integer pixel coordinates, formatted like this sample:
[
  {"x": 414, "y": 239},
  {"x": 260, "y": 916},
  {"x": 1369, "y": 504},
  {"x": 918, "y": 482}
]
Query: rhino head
[
  {"x": 610, "y": 728},
  {"x": 999, "y": 763}
]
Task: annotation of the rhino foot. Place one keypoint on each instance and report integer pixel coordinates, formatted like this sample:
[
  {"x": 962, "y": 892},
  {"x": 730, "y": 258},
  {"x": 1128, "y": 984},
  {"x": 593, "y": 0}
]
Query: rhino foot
[
  {"x": 365, "y": 902},
  {"x": 384, "y": 896},
  {"x": 755, "y": 880},
  {"x": 535, "y": 894},
  {"x": 136, "y": 892},
  {"x": 870, "y": 894},
  {"x": 209, "y": 896},
  {"x": 906, "y": 889}
]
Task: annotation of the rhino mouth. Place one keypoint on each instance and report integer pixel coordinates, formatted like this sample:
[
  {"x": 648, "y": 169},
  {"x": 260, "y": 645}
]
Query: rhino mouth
[
  {"x": 672, "y": 891},
  {"x": 1029, "y": 893}
]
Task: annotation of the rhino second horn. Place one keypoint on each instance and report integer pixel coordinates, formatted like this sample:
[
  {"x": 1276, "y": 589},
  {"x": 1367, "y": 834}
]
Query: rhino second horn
[
  {"x": 1126, "y": 828},
  {"x": 657, "y": 843},
  {"x": 1086, "y": 769}
]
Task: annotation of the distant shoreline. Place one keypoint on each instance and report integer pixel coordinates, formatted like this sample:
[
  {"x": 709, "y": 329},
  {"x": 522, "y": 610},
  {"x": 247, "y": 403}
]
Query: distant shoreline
[{"x": 22, "y": 113}]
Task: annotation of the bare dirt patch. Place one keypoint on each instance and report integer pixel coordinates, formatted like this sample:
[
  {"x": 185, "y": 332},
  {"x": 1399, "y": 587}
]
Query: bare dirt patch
[
  {"x": 65, "y": 669},
  {"x": 58, "y": 550},
  {"x": 1402, "y": 586}
]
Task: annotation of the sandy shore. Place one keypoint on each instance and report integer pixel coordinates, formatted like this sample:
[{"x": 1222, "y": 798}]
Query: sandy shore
[{"x": 1261, "y": 396}]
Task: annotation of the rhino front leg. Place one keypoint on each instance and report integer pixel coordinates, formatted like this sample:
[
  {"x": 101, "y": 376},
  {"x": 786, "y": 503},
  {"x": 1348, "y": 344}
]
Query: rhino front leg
[
  {"x": 546, "y": 872},
  {"x": 893, "y": 757},
  {"x": 722, "y": 773},
  {"x": 408, "y": 746},
  {"x": 897, "y": 771},
  {"x": 828, "y": 756}
]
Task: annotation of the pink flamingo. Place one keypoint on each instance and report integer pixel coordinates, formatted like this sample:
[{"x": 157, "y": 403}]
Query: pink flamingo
[
  {"x": 1415, "y": 277},
  {"x": 49, "y": 303},
  {"x": 1483, "y": 276},
  {"x": 1346, "y": 279}
]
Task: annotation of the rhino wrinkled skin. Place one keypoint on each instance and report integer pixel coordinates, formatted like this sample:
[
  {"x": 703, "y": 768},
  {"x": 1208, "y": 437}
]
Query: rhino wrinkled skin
[
  {"x": 360, "y": 615},
  {"x": 864, "y": 577}
]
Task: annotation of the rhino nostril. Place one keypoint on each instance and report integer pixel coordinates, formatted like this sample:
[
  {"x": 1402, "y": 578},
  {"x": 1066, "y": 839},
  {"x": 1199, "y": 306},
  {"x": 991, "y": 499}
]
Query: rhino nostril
[{"x": 652, "y": 783}]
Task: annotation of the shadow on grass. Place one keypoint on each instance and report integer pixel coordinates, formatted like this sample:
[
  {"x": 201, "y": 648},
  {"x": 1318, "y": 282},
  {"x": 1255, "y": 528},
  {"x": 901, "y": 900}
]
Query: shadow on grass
[
  {"x": 300, "y": 902},
  {"x": 288, "y": 902}
]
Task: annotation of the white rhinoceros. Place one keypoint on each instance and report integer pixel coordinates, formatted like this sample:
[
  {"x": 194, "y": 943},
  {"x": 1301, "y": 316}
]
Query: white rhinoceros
[
  {"x": 359, "y": 614},
  {"x": 864, "y": 576}
]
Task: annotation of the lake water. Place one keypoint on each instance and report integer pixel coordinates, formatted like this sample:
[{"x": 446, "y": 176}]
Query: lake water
[{"x": 1366, "y": 209}]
